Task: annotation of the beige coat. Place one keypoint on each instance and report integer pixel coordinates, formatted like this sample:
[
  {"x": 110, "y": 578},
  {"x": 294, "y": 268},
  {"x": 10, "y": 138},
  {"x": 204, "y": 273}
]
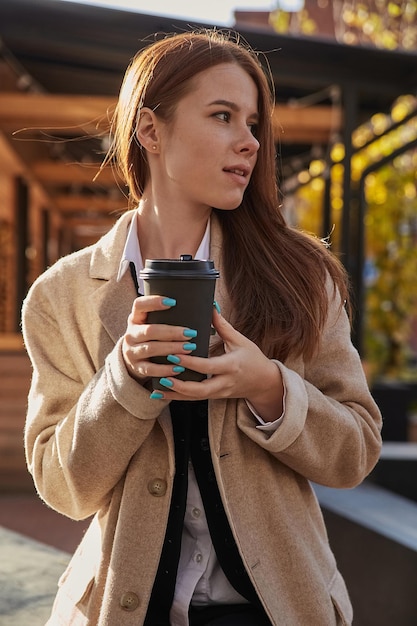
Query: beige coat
[{"x": 97, "y": 445}]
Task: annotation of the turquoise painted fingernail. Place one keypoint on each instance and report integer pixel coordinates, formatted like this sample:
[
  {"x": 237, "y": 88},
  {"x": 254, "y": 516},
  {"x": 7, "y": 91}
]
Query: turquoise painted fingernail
[
  {"x": 173, "y": 359},
  {"x": 189, "y": 346},
  {"x": 217, "y": 307},
  {"x": 166, "y": 382},
  {"x": 189, "y": 332},
  {"x": 156, "y": 395},
  {"x": 178, "y": 369},
  {"x": 169, "y": 302}
]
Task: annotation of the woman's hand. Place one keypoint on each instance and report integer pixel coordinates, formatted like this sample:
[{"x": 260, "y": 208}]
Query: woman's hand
[
  {"x": 242, "y": 372},
  {"x": 143, "y": 341}
]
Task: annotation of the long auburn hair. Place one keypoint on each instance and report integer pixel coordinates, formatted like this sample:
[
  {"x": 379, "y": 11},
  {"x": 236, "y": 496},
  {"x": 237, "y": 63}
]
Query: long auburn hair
[{"x": 275, "y": 274}]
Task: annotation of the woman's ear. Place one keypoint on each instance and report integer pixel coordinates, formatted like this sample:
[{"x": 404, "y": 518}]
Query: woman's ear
[{"x": 147, "y": 130}]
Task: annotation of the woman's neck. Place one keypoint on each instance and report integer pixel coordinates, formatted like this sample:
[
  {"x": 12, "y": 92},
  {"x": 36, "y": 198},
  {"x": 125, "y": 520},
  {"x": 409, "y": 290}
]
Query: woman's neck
[{"x": 170, "y": 233}]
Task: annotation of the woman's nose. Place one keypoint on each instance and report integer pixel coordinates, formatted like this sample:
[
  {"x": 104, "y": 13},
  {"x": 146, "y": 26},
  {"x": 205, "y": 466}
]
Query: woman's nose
[{"x": 248, "y": 143}]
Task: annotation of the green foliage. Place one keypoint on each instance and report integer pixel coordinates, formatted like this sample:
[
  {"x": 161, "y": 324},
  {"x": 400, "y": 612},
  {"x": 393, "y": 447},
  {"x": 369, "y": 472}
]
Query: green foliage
[
  {"x": 391, "y": 289},
  {"x": 390, "y": 276}
]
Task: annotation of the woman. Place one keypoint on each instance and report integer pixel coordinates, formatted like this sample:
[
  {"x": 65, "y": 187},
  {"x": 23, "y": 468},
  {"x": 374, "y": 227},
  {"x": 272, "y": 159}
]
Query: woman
[{"x": 201, "y": 497}]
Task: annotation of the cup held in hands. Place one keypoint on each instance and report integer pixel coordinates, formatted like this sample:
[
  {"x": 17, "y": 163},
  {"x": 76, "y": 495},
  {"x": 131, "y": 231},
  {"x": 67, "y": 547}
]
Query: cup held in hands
[{"x": 191, "y": 283}]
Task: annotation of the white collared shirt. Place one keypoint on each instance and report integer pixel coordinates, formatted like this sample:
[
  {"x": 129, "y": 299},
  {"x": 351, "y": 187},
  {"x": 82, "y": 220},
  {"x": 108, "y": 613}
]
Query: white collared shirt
[{"x": 200, "y": 579}]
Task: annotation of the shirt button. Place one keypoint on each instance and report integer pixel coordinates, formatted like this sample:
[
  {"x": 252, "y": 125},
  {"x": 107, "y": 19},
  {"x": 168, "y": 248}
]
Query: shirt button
[
  {"x": 198, "y": 558},
  {"x": 129, "y": 601},
  {"x": 196, "y": 512},
  {"x": 157, "y": 487}
]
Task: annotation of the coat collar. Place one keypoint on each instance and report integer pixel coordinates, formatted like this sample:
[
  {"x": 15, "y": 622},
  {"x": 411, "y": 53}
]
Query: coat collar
[{"x": 108, "y": 251}]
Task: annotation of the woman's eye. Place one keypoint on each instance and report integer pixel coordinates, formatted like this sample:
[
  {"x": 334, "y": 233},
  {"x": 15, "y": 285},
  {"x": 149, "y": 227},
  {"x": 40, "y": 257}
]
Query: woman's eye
[{"x": 223, "y": 115}]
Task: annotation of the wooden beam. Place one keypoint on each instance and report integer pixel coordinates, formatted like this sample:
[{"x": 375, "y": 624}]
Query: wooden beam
[
  {"x": 12, "y": 165},
  {"x": 55, "y": 173},
  {"x": 62, "y": 113},
  {"x": 316, "y": 124},
  {"x": 78, "y": 203},
  {"x": 89, "y": 223},
  {"x": 314, "y": 117},
  {"x": 74, "y": 114}
]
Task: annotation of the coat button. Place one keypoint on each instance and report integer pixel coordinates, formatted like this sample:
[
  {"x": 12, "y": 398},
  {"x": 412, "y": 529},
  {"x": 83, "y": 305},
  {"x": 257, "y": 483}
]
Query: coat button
[
  {"x": 129, "y": 601},
  {"x": 157, "y": 487}
]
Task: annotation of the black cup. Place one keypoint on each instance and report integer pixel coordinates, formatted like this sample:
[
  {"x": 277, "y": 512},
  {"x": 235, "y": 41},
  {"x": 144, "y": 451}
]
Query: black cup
[{"x": 191, "y": 283}]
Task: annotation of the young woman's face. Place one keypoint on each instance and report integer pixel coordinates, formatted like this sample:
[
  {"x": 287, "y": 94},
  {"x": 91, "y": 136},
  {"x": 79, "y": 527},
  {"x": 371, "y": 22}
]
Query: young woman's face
[{"x": 208, "y": 151}]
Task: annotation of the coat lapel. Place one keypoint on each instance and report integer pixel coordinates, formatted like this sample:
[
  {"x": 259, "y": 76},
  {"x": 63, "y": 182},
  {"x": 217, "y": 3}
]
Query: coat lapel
[
  {"x": 113, "y": 299},
  {"x": 113, "y": 303}
]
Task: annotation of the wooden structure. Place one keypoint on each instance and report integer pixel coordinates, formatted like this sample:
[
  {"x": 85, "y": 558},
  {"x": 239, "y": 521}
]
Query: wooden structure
[
  {"x": 15, "y": 374},
  {"x": 61, "y": 66}
]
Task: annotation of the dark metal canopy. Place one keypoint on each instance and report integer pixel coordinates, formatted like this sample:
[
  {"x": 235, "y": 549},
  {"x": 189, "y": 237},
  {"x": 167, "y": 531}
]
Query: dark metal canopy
[{"x": 71, "y": 47}]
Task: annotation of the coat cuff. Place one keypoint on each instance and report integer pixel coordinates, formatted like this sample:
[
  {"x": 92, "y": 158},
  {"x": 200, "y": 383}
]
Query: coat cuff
[{"x": 126, "y": 391}]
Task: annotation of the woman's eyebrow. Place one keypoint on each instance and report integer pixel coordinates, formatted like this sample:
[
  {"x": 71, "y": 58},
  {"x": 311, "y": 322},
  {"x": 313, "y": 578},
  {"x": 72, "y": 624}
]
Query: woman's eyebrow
[
  {"x": 231, "y": 105},
  {"x": 227, "y": 103}
]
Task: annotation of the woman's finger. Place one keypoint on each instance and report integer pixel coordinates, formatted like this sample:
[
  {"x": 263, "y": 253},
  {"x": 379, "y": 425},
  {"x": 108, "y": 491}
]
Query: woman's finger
[
  {"x": 222, "y": 327},
  {"x": 149, "y": 369},
  {"x": 231, "y": 337},
  {"x": 140, "y": 333},
  {"x": 151, "y": 349},
  {"x": 145, "y": 304}
]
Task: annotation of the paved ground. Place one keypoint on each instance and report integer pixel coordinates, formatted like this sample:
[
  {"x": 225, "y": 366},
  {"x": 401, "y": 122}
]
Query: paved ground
[
  {"x": 29, "y": 573},
  {"x": 35, "y": 547}
]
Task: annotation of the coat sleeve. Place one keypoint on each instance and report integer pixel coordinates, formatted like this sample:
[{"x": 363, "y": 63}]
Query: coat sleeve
[
  {"x": 331, "y": 430},
  {"x": 84, "y": 423}
]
